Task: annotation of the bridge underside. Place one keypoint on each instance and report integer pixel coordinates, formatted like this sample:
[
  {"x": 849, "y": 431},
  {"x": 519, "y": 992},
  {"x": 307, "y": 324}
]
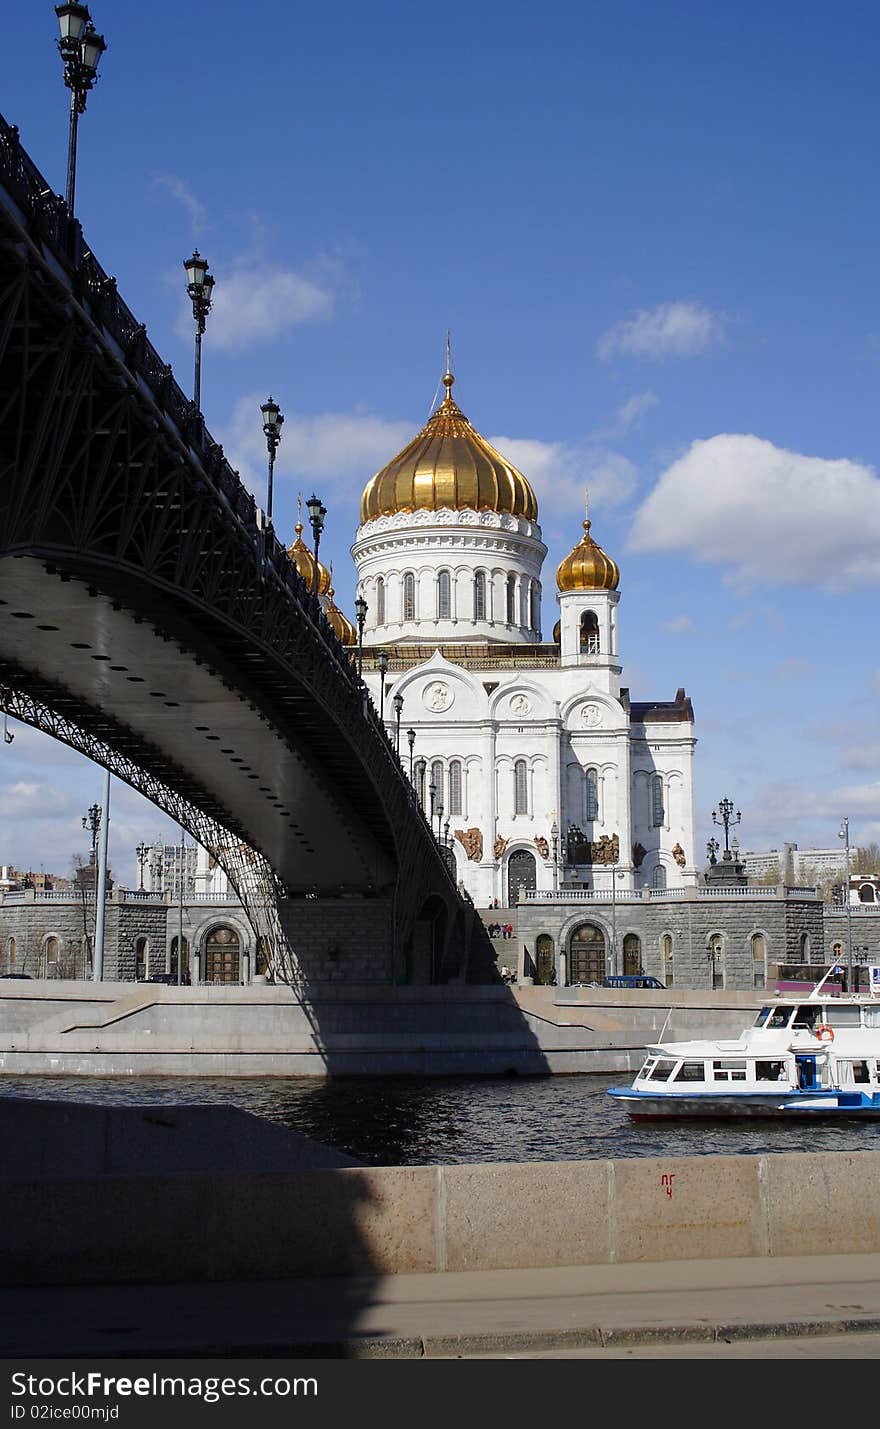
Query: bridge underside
[{"x": 91, "y": 659}]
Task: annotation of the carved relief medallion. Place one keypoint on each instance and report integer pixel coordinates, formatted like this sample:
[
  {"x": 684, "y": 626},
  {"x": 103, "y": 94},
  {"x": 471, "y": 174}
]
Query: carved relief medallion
[
  {"x": 437, "y": 696},
  {"x": 520, "y": 705},
  {"x": 591, "y": 715}
]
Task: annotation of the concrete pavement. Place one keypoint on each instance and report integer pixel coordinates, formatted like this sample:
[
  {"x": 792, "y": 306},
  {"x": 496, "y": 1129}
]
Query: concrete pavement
[{"x": 454, "y": 1314}]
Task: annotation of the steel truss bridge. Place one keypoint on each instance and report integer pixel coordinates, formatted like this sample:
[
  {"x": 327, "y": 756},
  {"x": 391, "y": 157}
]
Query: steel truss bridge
[{"x": 150, "y": 618}]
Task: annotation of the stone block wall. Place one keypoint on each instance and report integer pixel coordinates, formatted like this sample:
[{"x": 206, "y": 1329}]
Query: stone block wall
[{"x": 348, "y": 940}]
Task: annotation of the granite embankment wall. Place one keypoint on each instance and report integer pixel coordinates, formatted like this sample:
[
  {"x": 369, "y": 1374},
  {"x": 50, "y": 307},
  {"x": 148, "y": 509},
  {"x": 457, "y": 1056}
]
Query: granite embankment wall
[
  {"x": 388, "y": 1220},
  {"x": 113, "y": 1029}
]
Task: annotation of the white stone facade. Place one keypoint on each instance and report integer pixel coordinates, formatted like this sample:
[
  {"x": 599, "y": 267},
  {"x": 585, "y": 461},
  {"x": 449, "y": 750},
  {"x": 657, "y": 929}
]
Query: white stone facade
[{"x": 517, "y": 735}]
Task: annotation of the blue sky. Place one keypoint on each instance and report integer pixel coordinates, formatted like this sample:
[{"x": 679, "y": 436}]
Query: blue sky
[{"x": 652, "y": 231}]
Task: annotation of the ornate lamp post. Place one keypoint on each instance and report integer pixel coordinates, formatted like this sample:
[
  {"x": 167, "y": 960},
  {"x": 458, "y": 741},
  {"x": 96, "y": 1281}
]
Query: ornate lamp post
[
  {"x": 273, "y": 420},
  {"x": 725, "y": 809},
  {"x": 446, "y": 834},
  {"x": 439, "y": 818},
  {"x": 317, "y": 511},
  {"x": 554, "y": 844},
  {"x": 844, "y": 834},
  {"x": 80, "y": 49},
  {"x": 360, "y": 607},
  {"x": 398, "y": 711},
  {"x": 411, "y": 738},
  {"x": 199, "y": 285},
  {"x": 382, "y": 662},
  {"x": 141, "y": 852},
  {"x": 92, "y": 822},
  {"x": 432, "y": 794}
]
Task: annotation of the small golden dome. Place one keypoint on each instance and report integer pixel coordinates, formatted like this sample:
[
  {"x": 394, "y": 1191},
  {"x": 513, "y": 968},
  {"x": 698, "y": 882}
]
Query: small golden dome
[
  {"x": 304, "y": 561},
  {"x": 448, "y": 465},
  {"x": 339, "y": 623},
  {"x": 587, "y": 567}
]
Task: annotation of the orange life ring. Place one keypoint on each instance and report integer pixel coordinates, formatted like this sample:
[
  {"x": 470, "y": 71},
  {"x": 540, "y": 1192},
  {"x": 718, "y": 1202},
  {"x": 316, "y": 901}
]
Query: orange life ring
[{"x": 824, "y": 1032}]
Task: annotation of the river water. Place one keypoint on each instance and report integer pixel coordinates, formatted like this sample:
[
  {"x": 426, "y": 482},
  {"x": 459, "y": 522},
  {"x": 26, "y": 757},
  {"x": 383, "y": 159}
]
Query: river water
[{"x": 418, "y": 1121}]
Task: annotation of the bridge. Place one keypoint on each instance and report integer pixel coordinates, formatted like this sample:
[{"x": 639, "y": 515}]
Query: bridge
[{"x": 150, "y": 618}]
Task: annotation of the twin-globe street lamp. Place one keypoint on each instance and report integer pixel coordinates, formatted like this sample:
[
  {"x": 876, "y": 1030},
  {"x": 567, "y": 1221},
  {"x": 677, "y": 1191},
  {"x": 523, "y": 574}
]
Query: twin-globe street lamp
[
  {"x": 273, "y": 420},
  {"x": 80, "y": 48}
]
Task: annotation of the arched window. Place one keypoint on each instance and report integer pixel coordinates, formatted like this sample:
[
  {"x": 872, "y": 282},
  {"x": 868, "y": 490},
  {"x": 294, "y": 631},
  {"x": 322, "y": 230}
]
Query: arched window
[
  {"x": 51, "y": 950},
  {"x": 10, "y": 952},
  {"x": 419, "y": 781},
  {"x": 589, "y": 636},
  {"x": 520, "y": 787},
  {"x": 632, "y": 955},
  {"x": 591, "y": 783},
  {"x": 804, "y": 947},
  {"x": 140, "y": 958},
  {"x": 437, "y": 781},
  {"x": 480, "y": 596},
  {"x": 668, "y": 961},
  {"x": 409, "y": 596},
  {"x": 444, "y": 596},
  {"x": 759, "y": 960},
  {"x": 586, "y": 954},
  {"x": 544, "y": 959},
  {"x": 716, "y": 958},
  {"x": 535, "y": 611},
  {"x": 866, "y": 893},
  {"x": 511, "y": 599},
  {"x": 454, "y": 787},
  {"x": 658, "y": 877},
  {"x": 380, "y": 601},
  {"x": 657, "y": 810}
]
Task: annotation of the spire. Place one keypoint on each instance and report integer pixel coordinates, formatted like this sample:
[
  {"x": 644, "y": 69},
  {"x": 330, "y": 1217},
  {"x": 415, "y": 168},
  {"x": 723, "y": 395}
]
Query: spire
[{"x": 448, "y": 379}]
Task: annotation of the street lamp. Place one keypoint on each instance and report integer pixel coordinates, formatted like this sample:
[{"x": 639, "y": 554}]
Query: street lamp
[
  {"x": 360, "y": 607},
  {"x": 382, "y": 662},
  {"x": 157, "y": 869},
  {"x": 317, "y": 511},
  {"x": 844, "y": 834},
  {"x": 725, "y": 809},
  {"x": 446, "y": 834},
  {"x": 199, "y": 285},
  {"x": 432, "y": 794},
  {"x": 273, "y": 420},
  {"x": 554, "y": 843},
  {"x": 142, "y": 852},
  {"x": 439, "y": 818},
  {"x": 398, "y": 711},
  {"x": 80, "y": 49},
  {"x": 411, "y": 738}
]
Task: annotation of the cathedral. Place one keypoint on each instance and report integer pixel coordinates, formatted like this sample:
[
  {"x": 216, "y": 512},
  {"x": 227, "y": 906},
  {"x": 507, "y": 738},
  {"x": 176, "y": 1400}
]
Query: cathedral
[{"x": 530, "y": 759}]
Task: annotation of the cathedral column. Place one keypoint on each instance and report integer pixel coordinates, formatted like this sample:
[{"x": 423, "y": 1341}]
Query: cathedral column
[
  {"x": 489, "y": 809},
  {"x": 624, "y": 804}
]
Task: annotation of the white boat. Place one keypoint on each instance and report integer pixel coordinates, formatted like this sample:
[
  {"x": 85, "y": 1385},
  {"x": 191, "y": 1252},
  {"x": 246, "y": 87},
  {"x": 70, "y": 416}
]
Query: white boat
[{"x": 813, "y": 1056}]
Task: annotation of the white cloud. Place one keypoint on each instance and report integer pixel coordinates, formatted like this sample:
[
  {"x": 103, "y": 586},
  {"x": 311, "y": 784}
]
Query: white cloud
[
  {"x": 256, "y": 302},
  {"x": 561, "y": 473},
  {"x": 677, "y": 329},
  {"x": 806, "y": 812},
  {"x": 182, "y": 191},
  {"x": 632, "y": 411},
  {"x": 679, "y": 625},
  {"x": 769, "y": 515},
  {"x": 343, "y": 447}
]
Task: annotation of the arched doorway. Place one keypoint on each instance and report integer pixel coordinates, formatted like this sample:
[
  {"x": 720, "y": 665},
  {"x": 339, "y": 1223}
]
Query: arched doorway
[
  {"x": 632, "y": 955},
  {"x": 522, "y": 875},
  {"x": 222, "y": 956},
  {"x": 586, "y": 954},
  {"x": 544, "y": 960}
]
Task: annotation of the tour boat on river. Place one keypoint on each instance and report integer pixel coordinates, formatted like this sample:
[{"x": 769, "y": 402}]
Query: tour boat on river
[{"x": 813, "y": 1056}]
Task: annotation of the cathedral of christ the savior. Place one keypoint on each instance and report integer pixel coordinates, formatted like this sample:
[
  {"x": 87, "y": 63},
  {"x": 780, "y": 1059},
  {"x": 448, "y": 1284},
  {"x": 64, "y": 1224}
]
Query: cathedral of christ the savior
[{"x": 535, "y": 766}]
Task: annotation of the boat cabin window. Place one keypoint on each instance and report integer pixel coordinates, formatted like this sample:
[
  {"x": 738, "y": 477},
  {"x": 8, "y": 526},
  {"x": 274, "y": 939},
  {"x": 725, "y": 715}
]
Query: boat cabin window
[
  {"x": 860, "y": 1072},
  {"x": 770, "y": 1071},
  {"x": 729, "y": 1070},
  {"x": 807, "y": 1016},
  {"x": 872, "y": 1016},
  {"x": 691, "y": 1072},
  {"x": 842, "y": 1016},
  {"x": 762, "y": 1016},
  {"x": 646, "y": 1069},
  {"x": 779, "y": 1017},
  {"x": 662, "y": 1070}
]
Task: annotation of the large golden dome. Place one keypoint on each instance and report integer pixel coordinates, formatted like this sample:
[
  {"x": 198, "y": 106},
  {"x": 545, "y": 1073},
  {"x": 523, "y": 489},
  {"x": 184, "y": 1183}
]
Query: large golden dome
[
  {"x": 304, "y": 561},
  {"x": 587, "y": 567},
  {"x": 448, "y": 465}
]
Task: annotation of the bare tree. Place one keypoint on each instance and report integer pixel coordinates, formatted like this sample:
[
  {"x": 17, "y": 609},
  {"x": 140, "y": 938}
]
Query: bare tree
[{"x": 866, "y": 859}]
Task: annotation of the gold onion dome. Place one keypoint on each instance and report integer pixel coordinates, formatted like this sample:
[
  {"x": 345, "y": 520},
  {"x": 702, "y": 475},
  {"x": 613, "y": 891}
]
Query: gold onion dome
[
  {"x": 587, "y": 567},
  {"x": 448, "y": 466},
  {"x": 339, "y": 623},
  {"x": 304, "y": 561}
]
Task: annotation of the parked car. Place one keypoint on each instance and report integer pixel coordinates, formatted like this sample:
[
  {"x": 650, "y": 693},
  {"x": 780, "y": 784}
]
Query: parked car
[
  {"x": 632, "y": 980},
  {"x": 18, "y": 976}
]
